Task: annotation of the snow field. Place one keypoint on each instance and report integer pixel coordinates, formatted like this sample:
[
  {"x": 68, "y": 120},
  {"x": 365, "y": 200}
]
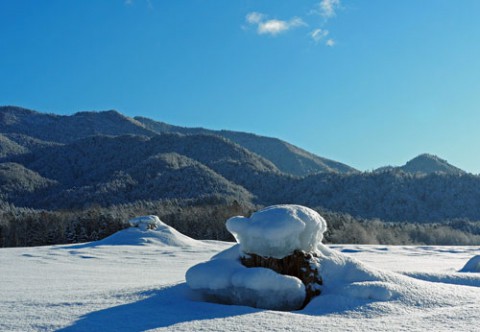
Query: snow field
[{"x": 134, "y": 281}]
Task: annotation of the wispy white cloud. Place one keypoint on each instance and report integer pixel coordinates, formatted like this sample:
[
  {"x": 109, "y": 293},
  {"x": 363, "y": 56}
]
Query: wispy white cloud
[
  {"x": 319, "y": 34},
  {"x": 318, "y": 17},
  {"x": 272, "y": 27},
  {"x": 254, "y": 17},
  {"x": 327, "y": 8},
  {"x": 330, "y": 42},
  {"x": 128, "y": 2}
]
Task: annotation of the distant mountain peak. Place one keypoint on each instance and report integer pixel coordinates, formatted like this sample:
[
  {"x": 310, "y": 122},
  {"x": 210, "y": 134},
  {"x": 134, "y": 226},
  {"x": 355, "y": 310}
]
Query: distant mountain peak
[
  {"x": 429, "y": 163},
  {"x": 428, "y": 156},
  {"x": 425, "y": 163}
]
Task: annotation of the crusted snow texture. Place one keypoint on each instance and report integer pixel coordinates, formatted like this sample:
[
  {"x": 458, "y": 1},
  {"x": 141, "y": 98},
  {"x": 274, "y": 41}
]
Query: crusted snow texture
[
  {"x": 277, "y": 231},
  {"x": 225, "y": 280},
  {"x": 473, "y": 265}
]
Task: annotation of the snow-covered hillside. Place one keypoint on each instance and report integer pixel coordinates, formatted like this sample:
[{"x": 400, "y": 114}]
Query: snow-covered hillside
[{"x": 134, "y": 281}]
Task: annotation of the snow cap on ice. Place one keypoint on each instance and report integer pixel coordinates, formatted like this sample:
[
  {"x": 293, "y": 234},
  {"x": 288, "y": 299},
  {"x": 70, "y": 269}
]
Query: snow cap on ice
[{"x": 277, "y": 231}]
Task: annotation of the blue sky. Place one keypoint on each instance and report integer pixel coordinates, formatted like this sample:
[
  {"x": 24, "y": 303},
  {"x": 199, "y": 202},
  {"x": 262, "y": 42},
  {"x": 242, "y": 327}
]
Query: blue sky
[{"x": 367, "y": 83}]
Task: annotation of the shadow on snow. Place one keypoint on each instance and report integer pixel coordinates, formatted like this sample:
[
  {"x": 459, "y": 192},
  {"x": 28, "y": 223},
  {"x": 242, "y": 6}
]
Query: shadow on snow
[
  {"x": 163, "y": 308},
  {"x": 177, "y": 304}
]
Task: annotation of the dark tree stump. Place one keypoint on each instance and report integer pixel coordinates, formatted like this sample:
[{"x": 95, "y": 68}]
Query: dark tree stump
[{"x": 299, "y": 264}]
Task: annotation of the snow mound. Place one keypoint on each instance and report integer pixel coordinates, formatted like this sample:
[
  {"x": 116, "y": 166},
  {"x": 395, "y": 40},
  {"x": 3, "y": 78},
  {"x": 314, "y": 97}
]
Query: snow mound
[
  {"x": 149, "y": 230},
  {"x": 473, "y": 265},
  {"x": 346, "y": 282},
  {"x": 225, "y": 280},
  {"x": 277, "y": 231}
]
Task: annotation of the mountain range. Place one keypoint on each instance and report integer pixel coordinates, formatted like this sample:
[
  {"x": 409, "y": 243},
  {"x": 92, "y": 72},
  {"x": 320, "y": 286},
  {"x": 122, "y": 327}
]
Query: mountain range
[
  {"x": 52, "y": 161},
  {"x": 67, "y": 129}
]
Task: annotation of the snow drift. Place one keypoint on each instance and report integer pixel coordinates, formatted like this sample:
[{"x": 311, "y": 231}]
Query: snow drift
[{"x": 473, "y": 265}]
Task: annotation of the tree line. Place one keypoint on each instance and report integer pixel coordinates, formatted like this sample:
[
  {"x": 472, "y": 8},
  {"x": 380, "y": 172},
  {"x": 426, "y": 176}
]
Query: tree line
[{"x": 205, "y": 219}]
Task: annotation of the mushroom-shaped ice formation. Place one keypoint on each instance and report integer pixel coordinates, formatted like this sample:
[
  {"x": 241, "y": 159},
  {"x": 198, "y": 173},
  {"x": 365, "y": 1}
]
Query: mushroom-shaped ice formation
[
  {"x": 274, "y": 266},
  {"x": 278, "y": 230}
]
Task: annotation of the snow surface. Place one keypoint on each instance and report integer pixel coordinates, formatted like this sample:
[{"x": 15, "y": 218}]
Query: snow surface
[
  {"x": 139, "y": 285},
  {"x": 277, "y": 231}
]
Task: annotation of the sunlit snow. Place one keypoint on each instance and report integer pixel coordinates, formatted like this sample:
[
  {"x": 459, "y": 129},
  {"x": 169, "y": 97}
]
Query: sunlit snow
[
  {"x": 138, "y": 284},
  {"x": 278, "y": 230},
  {"x": 275, "y": 231}
]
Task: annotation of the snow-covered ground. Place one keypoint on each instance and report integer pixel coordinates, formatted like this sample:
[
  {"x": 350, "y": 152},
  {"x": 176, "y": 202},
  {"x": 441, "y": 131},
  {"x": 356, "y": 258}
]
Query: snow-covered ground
[{"x": 135, "y": 281}]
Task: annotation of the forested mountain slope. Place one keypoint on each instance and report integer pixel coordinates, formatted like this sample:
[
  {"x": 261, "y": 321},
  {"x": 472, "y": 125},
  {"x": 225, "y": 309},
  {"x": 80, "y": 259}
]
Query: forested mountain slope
[
  {"x": 393, "y": 196},
  {"x": 119, "y": 169},
  {"x": 80, "y": 177},
  {"x": 104, "y": 158},
  {"x": 286, "y": 157},
  {"x": 66, "y": 129}
]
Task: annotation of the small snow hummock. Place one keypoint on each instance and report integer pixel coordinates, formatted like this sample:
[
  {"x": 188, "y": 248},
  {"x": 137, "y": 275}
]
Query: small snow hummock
[
  {"x": 473, "y": 265},
  {"x": 148, "y": 230},
  {"x": 277, "y": 231},
  {"x": 145, "y": 222}
]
